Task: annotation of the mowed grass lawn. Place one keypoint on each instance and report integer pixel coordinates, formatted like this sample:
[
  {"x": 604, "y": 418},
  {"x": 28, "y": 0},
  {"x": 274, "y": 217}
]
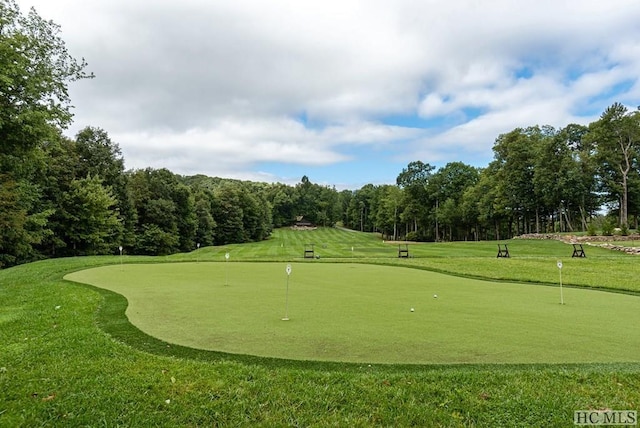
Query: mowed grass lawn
[
  {"x": 362, "y": 313},
  {"x": 532, "y": 261},
  {"x": 69, "y": 356}
]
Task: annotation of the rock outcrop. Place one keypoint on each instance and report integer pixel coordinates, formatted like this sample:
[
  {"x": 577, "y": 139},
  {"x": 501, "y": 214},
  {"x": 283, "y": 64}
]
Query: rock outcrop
[{"x": 596, "y": 241}]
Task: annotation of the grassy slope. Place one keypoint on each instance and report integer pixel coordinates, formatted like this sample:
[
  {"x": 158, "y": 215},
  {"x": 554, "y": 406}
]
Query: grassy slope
[
  {"x": 531, "y": 260},
  {"x": 57, "y": 367}
]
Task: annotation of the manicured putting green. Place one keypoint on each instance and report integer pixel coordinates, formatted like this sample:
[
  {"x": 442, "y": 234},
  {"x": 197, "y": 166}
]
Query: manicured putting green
[{"x": 362, "y": 313}]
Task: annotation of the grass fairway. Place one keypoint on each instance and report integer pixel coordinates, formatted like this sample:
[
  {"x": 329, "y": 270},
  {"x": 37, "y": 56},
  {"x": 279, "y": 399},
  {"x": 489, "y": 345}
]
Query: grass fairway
[
  {"x": 70, "y": 357},
  {"x": 361, "y": 313}
]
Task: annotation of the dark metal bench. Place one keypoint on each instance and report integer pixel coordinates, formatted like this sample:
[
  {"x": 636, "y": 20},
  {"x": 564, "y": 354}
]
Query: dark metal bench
[
  {"x": 578, "y": 251},
  {"x": 403, "y": 251},
  {"x": 503, "y": 252},
  {"x": 308, "y": 251}
]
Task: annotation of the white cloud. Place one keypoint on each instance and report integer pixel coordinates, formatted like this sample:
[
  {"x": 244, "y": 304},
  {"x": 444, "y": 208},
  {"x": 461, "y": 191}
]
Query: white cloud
[
  {"x": 223, "y": 86},
  {"x": 231, "y": 146}
]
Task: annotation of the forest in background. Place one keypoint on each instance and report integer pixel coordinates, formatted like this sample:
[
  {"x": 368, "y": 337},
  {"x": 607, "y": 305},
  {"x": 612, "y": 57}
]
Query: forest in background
[{"x": 63, "y": 196}]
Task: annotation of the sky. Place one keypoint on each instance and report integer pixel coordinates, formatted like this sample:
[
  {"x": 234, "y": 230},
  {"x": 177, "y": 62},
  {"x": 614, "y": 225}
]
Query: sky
[{"x": 346, "y": 92}]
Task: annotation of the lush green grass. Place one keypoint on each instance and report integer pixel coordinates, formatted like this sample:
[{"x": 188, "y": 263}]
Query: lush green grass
[
  {"x": 531, "y": 260},
  {"x": 82, "y": 364},
  {"x": 631, "y": 243},
  {"x": 361, "y": 313}
]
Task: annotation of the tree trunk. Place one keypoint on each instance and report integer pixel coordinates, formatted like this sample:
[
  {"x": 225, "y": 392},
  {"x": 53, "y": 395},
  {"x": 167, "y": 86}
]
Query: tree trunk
[
  {"x": 567, "y": 217},
  {"x": 624, "y": 170},
  {"x": 560, "y": 222},
  {"x": 437, "y": 232},
  {"x": 395, "y": 224},
  {"x": 624, "y": 202},
  {"x": 583, "y": 218}
]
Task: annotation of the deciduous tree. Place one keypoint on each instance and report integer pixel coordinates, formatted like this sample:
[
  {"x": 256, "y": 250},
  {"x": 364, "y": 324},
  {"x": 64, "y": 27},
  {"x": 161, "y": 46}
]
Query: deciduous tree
[
  {"x": 94, "y": 226},
  {"x": 616, "y": 137},
  {"x": 35, "y": 69}
]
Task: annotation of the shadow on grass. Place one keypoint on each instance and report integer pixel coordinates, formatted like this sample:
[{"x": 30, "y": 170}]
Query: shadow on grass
[{"x": 111, "y": 318}]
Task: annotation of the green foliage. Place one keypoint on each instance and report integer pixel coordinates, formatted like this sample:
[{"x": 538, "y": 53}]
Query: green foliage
[
  {"x": 154, "y": 240},
  {"x": 541, "y": 178},
  {"x": 360, "y": 212},
  {"x": 616, "y": 139},
  {"x": 592, "y": 230},
  {"x": 205, "y": 223},
  {"x": 447, "y": 187},
  {"x": 282, "y": 198},
  {"x": 482, "y": 205},
  {"x": 23, "y": 225},
  {"x": 607, "y": 226},
  {"x": 412, "y": 236},
  {"x": 624, "y": 230},
  {"x": 418, "y": 202},
  {"x": 165, "y": 210},
  {"x": 561, "y": 181},
  {"x": 228, "y": 216},
  {"x": 186, "y": 220},
  {"x": 93, "y": 224},
  {"x": 256, "y": 214},
  {"x": 98, "y": 156},
  {"x": 315, "y": 203},
  {"x": 388, "y": 211},
  {"x": 36, "y": 68},
  {"x": 416, "y": 175}
]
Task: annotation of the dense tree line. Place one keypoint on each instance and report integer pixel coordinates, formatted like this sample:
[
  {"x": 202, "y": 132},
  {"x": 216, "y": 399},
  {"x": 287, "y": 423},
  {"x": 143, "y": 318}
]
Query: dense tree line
[
  {"x": 542, "y": 179},
  {"x": 61, "y": 196},
  {"x": 78, "y": 200}
]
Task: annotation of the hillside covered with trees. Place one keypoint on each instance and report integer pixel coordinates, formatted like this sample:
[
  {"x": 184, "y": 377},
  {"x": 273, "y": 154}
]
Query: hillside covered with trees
[{"x": 63, "y": 196}]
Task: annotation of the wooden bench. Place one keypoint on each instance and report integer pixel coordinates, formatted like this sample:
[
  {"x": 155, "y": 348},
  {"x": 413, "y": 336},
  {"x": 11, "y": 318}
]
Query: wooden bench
[
  {"x": 503, "y": 252},
  {"x": 403, "y": 251},
  {"x": 578, "y": 251},
  {"x": 308, "y": 251}
]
